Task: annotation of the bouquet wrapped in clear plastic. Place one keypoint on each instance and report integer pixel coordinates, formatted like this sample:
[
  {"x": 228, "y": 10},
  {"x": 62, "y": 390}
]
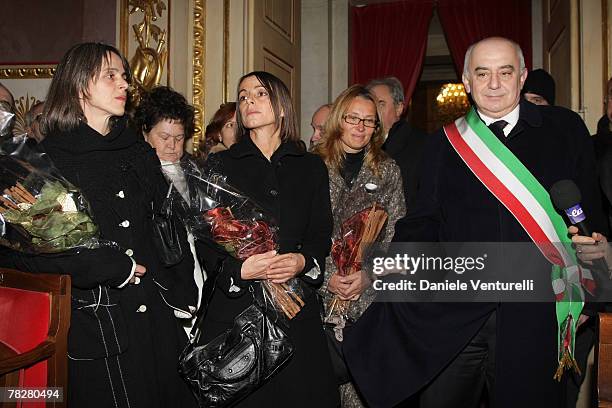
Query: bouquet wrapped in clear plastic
[
  {"x": 40, "y": 211},
  {"x": 218, "y": 212},
  {"x": 358, "y": 231}
]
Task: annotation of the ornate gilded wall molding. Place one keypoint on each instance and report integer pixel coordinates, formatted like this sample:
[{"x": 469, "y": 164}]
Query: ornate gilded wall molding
[
  {"x": 199, "y": 36},
  {"x": 27, "y": 72},
  {"x": 194, "y": 59},
  {"x": 226, "y": 34},
  {"x": 149, "y": 39},
  {"x": 149, "y": 59}
]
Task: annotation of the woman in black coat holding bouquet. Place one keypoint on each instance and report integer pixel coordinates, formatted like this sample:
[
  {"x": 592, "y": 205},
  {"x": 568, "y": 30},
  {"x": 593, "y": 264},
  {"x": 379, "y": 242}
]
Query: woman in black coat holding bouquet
[
  {"x": 269, "y": 166},
  {"x": 125, "y": 337}
]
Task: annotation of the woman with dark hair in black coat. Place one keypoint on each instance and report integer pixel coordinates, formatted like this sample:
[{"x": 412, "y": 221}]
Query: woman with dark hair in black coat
[
  {"x": 166, "y": 121},
  {"x": 270, "y": 166},
  {"x": 124, "y": 337}
]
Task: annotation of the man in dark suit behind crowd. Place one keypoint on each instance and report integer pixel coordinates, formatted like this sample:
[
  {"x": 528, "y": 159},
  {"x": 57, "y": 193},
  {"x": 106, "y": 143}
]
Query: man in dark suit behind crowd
[
  {"x": 603, "y": 151},
  {"x": 402, "y": 142},
  {"x": 449, "y": 352}
]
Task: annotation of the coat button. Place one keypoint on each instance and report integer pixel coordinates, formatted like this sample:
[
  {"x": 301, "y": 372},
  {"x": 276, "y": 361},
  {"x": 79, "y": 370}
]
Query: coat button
[
  {"x": 120, "y": 194},
  {"x": 129, "y": 252},
  {"x": 298, "y": 247},
  {"x": 142, "y": 308},
  {"x": 125, "y": 224},
  {"x": 273, "y": 192}
]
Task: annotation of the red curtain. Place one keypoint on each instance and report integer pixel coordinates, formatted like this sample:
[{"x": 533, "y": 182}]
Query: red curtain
[
  {"x": 467, "y": 21},
  {"x": 390, "y": 40}
]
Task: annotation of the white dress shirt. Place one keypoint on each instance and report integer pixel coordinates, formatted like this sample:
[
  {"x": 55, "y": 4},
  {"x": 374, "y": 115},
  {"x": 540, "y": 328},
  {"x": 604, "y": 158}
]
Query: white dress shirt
[{"x": 512, "y": 119}]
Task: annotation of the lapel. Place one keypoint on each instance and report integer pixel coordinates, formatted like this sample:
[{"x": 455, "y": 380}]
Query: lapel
[
  {"x": 364, "y": 176},
  {"x": 529, "y": 117}
]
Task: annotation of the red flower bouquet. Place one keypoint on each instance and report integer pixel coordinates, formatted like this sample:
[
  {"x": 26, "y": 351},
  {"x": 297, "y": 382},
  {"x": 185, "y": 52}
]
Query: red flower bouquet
[
  {"x": 240, "y": 238},
  {"x": 358, "y": 231},
  {"x": 220, "y": 213}
]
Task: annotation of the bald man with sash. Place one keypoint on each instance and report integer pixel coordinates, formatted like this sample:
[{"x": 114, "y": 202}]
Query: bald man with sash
[{"x": 485, "y": 178}]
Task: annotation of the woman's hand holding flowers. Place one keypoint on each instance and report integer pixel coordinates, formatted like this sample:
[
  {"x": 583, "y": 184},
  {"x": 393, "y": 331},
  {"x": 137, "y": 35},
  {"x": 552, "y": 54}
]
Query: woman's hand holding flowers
[
  {"x": 285, "y": 267},
  {"x": 257, "y": 266},
  {"x": 337, "y": 286},
  {"x": 358, "y": 283},
  {"x": 349, "y": 287}
]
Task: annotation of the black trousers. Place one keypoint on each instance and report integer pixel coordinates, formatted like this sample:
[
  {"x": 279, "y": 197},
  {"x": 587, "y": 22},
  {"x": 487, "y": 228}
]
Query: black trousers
[{"x": 462, "y": 382}]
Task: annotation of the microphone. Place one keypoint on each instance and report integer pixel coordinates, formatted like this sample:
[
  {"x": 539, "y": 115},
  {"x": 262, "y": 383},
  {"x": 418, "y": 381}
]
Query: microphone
[{"x": 566, "y": 196}]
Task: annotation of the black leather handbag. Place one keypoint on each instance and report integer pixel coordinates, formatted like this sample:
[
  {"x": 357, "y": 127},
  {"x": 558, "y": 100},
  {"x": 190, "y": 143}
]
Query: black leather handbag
[
  {"x": 166, "y": 235},
  {"x": 237, "y": 362}
]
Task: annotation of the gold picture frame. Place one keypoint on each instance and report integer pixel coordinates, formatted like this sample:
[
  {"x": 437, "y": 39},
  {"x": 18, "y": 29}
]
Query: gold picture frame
[{"x": 27, "y": 71}]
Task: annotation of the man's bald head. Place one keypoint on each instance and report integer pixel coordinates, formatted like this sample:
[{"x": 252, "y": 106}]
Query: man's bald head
[
  {"x": 493, "y": 41},
  {"x": 494, "y": 74},
  {"x": 318, "y": 123}
]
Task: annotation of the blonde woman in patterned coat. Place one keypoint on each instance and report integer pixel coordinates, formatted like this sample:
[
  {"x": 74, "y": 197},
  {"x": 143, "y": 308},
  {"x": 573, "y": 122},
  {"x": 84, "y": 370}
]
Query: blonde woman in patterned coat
[{"x": 360, "y": 174}]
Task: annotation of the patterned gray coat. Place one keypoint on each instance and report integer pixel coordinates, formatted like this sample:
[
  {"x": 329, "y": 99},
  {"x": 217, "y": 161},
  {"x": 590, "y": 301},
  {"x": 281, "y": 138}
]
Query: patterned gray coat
[{"x": 345, "y": 202}]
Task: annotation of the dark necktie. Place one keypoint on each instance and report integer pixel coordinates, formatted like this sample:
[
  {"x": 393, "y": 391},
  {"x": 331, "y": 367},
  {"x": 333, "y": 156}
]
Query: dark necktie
[{"x": 497, "y": 128}]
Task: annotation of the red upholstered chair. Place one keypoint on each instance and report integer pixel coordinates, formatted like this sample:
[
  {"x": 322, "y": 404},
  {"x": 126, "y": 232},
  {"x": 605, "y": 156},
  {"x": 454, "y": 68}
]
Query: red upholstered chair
[
  {"x": 604, "y": 361},
  {"x": 34, "y": 321}
]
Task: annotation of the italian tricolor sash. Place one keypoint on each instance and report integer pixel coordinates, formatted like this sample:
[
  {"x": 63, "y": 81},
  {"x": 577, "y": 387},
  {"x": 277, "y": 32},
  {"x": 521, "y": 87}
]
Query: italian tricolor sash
[{"x": 519, "y": 191}]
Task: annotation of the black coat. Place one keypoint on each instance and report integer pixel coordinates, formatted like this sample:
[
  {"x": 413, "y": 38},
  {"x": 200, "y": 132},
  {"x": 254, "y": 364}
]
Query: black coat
[
  {"x": 293, "y": 188},
  {"x": 603, "y": 151},
  {"x": 396, "y": 349},
  {"x": 405, "y": 145},
  {"x": 123, "y": 342},
  {"x": 603, "y": 138}
]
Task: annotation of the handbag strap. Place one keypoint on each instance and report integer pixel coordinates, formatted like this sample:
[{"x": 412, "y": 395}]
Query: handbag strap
[{"x": 203, "y": 310}]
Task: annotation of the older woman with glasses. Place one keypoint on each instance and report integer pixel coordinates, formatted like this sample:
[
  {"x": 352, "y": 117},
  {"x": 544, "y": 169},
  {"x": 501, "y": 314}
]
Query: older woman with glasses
[{"x": 360, "y": 174}]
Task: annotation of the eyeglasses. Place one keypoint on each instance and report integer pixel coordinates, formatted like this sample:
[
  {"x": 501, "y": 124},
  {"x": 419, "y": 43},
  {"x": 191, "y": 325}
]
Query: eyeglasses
[{"x": 355, "y": 120}]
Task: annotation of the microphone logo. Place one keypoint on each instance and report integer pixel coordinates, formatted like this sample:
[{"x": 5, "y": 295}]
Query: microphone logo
[{"x": 575, "y": 214}]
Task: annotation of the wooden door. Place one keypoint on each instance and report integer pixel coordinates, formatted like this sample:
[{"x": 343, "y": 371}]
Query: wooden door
[
  {"x": 274, "y": 41},
  {"x": 560, "y": 50}
]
